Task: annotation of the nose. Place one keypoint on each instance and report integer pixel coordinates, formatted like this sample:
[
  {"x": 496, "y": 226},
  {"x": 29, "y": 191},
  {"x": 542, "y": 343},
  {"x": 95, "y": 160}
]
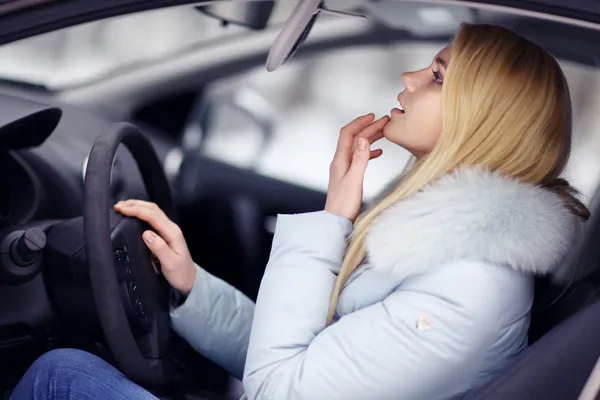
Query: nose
[{"x": 409, "y": 80}]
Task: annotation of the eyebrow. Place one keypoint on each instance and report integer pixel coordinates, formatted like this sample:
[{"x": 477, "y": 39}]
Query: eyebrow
[{"x": 441, "y": 61}]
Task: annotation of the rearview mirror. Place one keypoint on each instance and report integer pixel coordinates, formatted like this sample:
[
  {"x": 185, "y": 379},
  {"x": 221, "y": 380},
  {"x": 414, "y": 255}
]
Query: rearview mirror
[
  {"x": 253, "y": 14},
  {"x": 296, "y": 30}
]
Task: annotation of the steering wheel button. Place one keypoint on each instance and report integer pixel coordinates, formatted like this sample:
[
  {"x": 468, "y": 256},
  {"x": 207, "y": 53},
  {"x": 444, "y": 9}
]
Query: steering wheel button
[
  {"x": 119, "y": 255},
  {"x": 140, "y": 308},
  {"x": 129, "y": 271}
]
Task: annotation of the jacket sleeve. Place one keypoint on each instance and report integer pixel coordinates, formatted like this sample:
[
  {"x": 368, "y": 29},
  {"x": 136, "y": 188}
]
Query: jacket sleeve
[
  {"x": 383, "y": 351},
  {"x": 215, "y": 320}
]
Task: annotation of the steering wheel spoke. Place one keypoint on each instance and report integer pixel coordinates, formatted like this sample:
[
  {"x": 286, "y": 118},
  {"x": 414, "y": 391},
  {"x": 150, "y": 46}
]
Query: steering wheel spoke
[{"x": 145, "y": 295}]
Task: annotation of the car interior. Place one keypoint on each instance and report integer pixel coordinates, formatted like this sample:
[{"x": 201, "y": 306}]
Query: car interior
[{"x": 214, "y": 125}]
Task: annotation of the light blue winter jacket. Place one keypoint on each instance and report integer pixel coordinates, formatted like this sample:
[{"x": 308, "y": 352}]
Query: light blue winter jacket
[{"x": 441, "y": 303}]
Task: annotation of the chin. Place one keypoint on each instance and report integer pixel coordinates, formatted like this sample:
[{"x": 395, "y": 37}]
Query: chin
[{"x": 391, "y": 132}]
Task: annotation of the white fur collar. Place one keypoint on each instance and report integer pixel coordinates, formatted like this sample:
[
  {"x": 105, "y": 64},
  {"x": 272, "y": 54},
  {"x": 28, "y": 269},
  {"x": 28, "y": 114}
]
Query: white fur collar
[{"x": 472, "y": 214}]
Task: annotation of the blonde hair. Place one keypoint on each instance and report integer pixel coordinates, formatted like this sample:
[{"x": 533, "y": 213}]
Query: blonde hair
[{"x": 506, "y": 107}]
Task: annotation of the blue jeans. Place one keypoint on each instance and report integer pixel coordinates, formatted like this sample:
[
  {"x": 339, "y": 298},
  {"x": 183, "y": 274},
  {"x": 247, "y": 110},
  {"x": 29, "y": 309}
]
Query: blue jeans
[{"x": 68, "y": 374}]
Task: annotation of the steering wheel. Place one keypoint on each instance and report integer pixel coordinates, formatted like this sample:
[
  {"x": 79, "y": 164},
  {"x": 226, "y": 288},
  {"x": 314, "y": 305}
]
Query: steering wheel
[{"x": 132, "y": 299}]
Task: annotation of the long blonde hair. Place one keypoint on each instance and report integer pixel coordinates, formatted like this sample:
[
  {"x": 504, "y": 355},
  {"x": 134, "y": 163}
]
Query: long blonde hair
[{"x": 506, "y": 107}]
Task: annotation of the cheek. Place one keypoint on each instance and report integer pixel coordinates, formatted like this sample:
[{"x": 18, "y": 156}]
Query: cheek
[
  {"x": 420, "y": 128},
  {"x": 432, "y": 122}
]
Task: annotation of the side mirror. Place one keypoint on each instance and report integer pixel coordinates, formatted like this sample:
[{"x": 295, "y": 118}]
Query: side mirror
[
  {"x": 243, "y": 113},
  {"x": 251, "y": 14},
  {"x": 242, "y": 118}
]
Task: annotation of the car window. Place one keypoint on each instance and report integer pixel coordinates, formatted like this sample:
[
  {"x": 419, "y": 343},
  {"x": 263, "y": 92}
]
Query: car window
[
  {"x": 312, "y": 97},
  {"x": 81, "y": 54}
]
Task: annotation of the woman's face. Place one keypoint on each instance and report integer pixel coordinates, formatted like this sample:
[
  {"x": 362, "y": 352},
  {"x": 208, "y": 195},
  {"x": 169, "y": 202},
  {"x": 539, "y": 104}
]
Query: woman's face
[{"x": 417, "y": 124}]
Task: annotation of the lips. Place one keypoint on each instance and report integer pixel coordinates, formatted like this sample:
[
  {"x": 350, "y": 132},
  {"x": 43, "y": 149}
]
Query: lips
[{"x": 400, "y": 107}]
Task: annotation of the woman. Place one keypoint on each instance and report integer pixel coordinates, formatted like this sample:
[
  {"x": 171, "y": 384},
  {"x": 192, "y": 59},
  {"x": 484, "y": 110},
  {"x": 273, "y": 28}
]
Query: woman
[{"x": 432, "y": 294}]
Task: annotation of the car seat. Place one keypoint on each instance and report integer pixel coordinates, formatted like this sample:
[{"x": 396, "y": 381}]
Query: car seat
[{"x": 564, "y": 333}]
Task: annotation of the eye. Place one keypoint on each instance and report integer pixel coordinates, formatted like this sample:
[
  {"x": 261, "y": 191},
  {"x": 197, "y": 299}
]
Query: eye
[{"x": 437, "y": 77}]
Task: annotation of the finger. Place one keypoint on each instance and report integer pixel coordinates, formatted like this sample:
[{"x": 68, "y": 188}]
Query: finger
[
  {"x": 358, "y": 123},
  {"x": 343, "y": 154},
  {"x": 378, "y": 136},
  {"x": 374, "y": 129},
  {"x": 135, "y": 202},
  {"x": 360, "y": 159},
  {"x": 372, "y": 139},
  {"x": 348, "y": 132},
  {"x": 121, "y": 205},
  {"x": 157, "y": 219},
  {"x": 375, "y": 153},
  {"x": 158, "y": 247}
]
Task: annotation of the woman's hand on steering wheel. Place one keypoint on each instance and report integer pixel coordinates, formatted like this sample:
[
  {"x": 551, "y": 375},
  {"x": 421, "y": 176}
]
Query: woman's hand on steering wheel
[{"x": 167, "y": 244}]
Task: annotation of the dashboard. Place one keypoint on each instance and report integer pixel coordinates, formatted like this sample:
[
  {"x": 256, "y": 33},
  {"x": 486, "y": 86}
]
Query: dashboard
[
  {"x": 45, "y": 180},
  {"x": 43, "y": 154}
]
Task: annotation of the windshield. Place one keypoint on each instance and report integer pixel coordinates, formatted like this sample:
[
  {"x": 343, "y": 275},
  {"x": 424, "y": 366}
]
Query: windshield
[
  {"x": 82, "y": 54},
  {"x": 85, "y": 53}
]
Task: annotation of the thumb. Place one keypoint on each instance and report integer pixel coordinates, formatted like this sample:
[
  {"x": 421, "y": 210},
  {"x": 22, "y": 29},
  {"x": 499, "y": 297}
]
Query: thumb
[
  {"x": 360, "y": 160},
  {"x": 157, "y": 246}
]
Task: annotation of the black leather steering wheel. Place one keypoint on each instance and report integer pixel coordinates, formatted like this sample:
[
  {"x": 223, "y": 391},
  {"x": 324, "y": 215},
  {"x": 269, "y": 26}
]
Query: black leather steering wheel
[{"x": 132, "y": 300}]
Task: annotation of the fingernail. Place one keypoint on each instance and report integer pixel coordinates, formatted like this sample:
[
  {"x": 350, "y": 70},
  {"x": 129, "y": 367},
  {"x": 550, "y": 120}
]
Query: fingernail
[
  {"x": 148, "y": 237},
  {"x": 362, "y": 143}
]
